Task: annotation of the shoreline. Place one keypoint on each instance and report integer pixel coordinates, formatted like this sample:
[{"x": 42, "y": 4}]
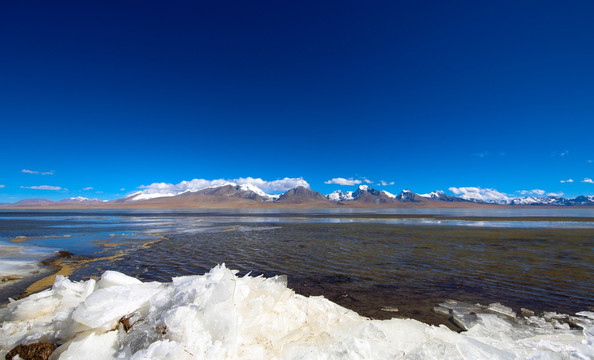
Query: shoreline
[
  {"x": 220, "y": 315},
  {"x": 374, "y": 274},
  {"x": 65, "y": 264}
]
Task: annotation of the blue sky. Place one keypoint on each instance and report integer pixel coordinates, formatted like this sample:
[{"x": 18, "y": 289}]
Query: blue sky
[{"x": 110, "y": 96}]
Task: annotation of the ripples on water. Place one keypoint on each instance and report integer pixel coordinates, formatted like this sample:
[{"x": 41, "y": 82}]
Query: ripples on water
[
  {"x": 368, "y": 267},
  {"x": 363, "y": 263}
]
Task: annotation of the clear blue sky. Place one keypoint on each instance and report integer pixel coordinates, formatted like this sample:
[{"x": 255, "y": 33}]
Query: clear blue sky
[{"x": 426, "y": 94}]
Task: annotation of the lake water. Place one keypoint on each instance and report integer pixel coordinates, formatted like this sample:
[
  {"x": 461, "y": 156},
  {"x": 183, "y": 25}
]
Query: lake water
[{"x": 370, "y": 261}]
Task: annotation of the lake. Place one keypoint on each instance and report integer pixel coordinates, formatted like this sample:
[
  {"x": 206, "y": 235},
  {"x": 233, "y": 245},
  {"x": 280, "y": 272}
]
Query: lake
[{"x": 373, "y": 261}]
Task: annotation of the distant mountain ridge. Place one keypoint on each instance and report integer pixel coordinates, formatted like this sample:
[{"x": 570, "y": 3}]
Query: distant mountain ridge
[
  {"x": 554, "y": 201},
  {"x": 300, "y": 195},
  {"x": 440, "y": 195},
  {"x": 367, "y": 194},
  {"x": 247, "y": 195},
  {"x": 80, "y": 199}
]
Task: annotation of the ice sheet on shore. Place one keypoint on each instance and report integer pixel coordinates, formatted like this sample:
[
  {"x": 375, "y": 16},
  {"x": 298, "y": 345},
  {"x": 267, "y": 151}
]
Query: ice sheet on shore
[
  {"x": 18, "y": 261},
  {"x": 221, "y": 316}
]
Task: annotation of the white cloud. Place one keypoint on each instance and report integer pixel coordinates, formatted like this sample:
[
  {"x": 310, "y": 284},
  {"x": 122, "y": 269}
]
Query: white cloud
[
  {"x": 1, "y": 186},
  {"x": 532, "y": 192},
  {"x": 385, "y": 183},
  {"x": 43, "y": 187},
  {"x": 367, "y": 181},
  {"x": 122, "y": 189},
  {"x": 165, "y": 189},
  {"x": 88, "y": 188},
  {"x": 567, "y": 181},
  {"x": 343, "y": 181},
  {"x": 27, "y": 171},
  {"x": 559, "y": 194},
  {"x": 588, "y": 180},
  {"x": 477, "y": 193},
  {"x": 564, "y": 153}
]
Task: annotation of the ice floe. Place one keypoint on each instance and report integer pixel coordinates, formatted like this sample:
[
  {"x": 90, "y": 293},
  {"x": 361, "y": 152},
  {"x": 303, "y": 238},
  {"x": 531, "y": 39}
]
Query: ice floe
[
  {"x": 222, "y": 316},
  {"x": 18, "y": 261}
]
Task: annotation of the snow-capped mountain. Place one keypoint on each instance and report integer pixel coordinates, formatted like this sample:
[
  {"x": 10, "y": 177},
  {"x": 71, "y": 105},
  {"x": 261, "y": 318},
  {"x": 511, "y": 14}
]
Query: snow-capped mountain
[
  {"x": 583, "y": 200},
  {"x": 81, "y": 200},
  {"x": 365, "y": 193},
  {"x": 232, "y": 190},
  {"x": 553, "y": 201},
  {"x": 362, "y": 190},
  {"x": 141, "y": 195},
  {"x": 440, "y": 195},
  {"x": 248, "y": 191},
  {"x": 407, "y": 195},
  {"x": 534, "y": 200},
  {"x": 365, "y": 190},
  {"x": 388, "y": 194},
  {"x": 256, "y": 190},
  {"x": 231, "y": 195},
  {"x": 338, "y": 195}
]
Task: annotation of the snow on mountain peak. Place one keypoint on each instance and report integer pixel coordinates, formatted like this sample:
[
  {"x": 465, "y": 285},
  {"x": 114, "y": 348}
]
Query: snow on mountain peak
[
  {"x": 437, "y": 194},
  {"x": 257, "y": 190},
  {"x": 338, "y": 195},
  {"x": 147, "y": 194},
  {"x": 255, "y": 185},
  {"x": 155, "y": 192},
  {"x": 134, "y": 194},
  {"x": 388, "y": 194}
]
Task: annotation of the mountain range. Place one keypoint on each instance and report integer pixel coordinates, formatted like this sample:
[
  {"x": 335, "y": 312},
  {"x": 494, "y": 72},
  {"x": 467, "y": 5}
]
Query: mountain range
[{"x": 246, "y": 196}]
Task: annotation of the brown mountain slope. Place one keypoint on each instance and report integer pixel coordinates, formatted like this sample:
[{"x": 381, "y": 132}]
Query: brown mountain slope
[{"x": 303, "y": 195}]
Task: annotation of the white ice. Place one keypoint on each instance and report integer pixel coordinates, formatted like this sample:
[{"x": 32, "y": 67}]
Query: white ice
[
  {"x": 18, "y": 261},
  {"x": 222, "y": 316}
]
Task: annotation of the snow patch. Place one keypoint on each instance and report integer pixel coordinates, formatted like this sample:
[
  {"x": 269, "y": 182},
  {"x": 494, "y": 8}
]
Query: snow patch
[
  {"x": 258, "y": 191},
  {"x": 338, "y": 195},
  {"x": 388, "y": 194},
  {"x": 437, "y": 194}
]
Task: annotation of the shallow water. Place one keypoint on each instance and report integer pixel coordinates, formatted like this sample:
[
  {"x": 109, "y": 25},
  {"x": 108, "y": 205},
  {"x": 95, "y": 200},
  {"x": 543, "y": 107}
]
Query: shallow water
[{"x": 364, "y": 260}]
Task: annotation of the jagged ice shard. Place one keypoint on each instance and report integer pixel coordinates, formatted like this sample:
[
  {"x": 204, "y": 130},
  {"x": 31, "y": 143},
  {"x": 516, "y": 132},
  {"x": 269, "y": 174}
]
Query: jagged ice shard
[{"x": 222, "y": 316}]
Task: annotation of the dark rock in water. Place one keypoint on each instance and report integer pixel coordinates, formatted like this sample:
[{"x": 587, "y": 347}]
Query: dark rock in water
[
  {"x": 65, "y": 254},
  {"x": 36, "y": 351}
]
